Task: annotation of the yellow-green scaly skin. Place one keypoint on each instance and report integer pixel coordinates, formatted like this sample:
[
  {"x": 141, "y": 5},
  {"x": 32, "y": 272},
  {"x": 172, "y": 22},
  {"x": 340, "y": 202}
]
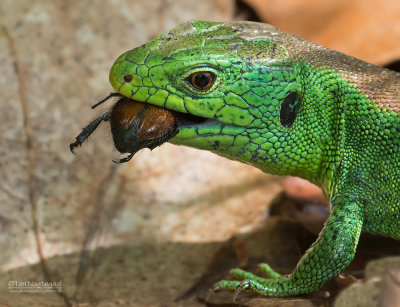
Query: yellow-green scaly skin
[{"x": 343, "y": 133}]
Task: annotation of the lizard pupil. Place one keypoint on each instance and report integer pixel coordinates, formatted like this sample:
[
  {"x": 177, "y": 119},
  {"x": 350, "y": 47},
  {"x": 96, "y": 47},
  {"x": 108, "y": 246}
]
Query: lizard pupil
[{"x": 202, "y": 80}]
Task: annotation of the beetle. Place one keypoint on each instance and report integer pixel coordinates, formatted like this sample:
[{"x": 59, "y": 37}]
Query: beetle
[{"x": 134, "y": 126}]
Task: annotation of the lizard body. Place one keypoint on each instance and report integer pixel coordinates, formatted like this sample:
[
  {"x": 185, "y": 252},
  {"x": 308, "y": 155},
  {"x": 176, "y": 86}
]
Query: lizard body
[{"x": 288, "y": 107}]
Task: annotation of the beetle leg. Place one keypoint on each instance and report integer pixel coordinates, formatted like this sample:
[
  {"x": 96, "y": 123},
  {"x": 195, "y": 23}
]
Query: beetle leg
[{"x": 88, "y": 130}]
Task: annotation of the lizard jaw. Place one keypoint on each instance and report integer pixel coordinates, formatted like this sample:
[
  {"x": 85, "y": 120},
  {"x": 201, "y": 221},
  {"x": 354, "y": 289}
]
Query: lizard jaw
[{"x": 187, "y": 120}]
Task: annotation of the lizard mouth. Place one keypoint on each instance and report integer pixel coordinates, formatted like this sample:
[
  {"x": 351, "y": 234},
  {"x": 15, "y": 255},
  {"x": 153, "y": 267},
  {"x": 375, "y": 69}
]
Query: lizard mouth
[
  {"x": 187, "y": 120},
  {"x": 184, "y": 120}
]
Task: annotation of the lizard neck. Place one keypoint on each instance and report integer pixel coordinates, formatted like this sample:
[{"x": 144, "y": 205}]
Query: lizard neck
[
  {"x": 380, "y": 85},
  {"x": 360, "y": 86}
]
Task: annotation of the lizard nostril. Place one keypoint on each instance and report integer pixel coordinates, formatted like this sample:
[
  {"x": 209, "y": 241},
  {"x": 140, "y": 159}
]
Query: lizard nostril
[{"x": 128, "y": 78}]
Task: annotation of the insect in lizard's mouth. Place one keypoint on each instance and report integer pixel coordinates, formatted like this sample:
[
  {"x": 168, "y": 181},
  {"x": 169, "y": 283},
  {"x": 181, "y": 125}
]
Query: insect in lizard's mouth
[{"x": 136, "y": 125}]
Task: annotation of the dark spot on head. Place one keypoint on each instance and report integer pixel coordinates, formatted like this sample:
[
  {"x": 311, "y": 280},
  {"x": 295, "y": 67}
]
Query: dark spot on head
[
  {"x": 128, "y": 78},
  {"x": 289, "y": 108}
]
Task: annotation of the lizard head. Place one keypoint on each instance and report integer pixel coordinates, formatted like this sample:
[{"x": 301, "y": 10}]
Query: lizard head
[{"x": 233, "y": 85}]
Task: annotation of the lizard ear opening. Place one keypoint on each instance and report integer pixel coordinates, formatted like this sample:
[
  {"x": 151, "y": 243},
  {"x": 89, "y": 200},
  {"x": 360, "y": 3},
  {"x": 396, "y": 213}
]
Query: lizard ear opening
[{"x": 289, "y": 108}]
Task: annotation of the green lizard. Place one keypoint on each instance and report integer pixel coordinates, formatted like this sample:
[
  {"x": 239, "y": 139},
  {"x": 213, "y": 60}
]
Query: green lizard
[{"x": 288, "y": 107}]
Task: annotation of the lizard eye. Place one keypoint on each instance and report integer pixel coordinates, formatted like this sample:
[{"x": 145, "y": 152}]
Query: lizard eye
[{"x": 202, "y": 80}]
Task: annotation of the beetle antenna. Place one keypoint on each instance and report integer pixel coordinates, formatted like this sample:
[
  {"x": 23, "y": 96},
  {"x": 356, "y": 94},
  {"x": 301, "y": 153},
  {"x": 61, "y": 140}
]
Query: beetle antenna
[{"x": 105, "y": 99}]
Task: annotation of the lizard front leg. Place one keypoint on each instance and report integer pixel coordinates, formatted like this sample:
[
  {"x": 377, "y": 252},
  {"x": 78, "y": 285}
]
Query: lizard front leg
[{"x": 326, "y": 258}]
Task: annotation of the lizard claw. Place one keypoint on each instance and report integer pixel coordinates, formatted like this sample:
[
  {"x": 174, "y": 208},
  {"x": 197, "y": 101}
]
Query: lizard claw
[
  {"x": 242, "y": 286},
  {"x": 210, "y": 292}
]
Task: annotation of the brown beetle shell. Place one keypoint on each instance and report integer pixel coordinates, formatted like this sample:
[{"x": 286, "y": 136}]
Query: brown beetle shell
[
  {"x": 152, "y": 121},
  {"x": 136, "y": 125},
  {"x": 155, "y": 122}
]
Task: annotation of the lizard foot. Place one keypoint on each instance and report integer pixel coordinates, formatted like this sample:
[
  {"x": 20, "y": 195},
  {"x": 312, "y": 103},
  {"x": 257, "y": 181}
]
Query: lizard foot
[{"x": 249, "y": 282}]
